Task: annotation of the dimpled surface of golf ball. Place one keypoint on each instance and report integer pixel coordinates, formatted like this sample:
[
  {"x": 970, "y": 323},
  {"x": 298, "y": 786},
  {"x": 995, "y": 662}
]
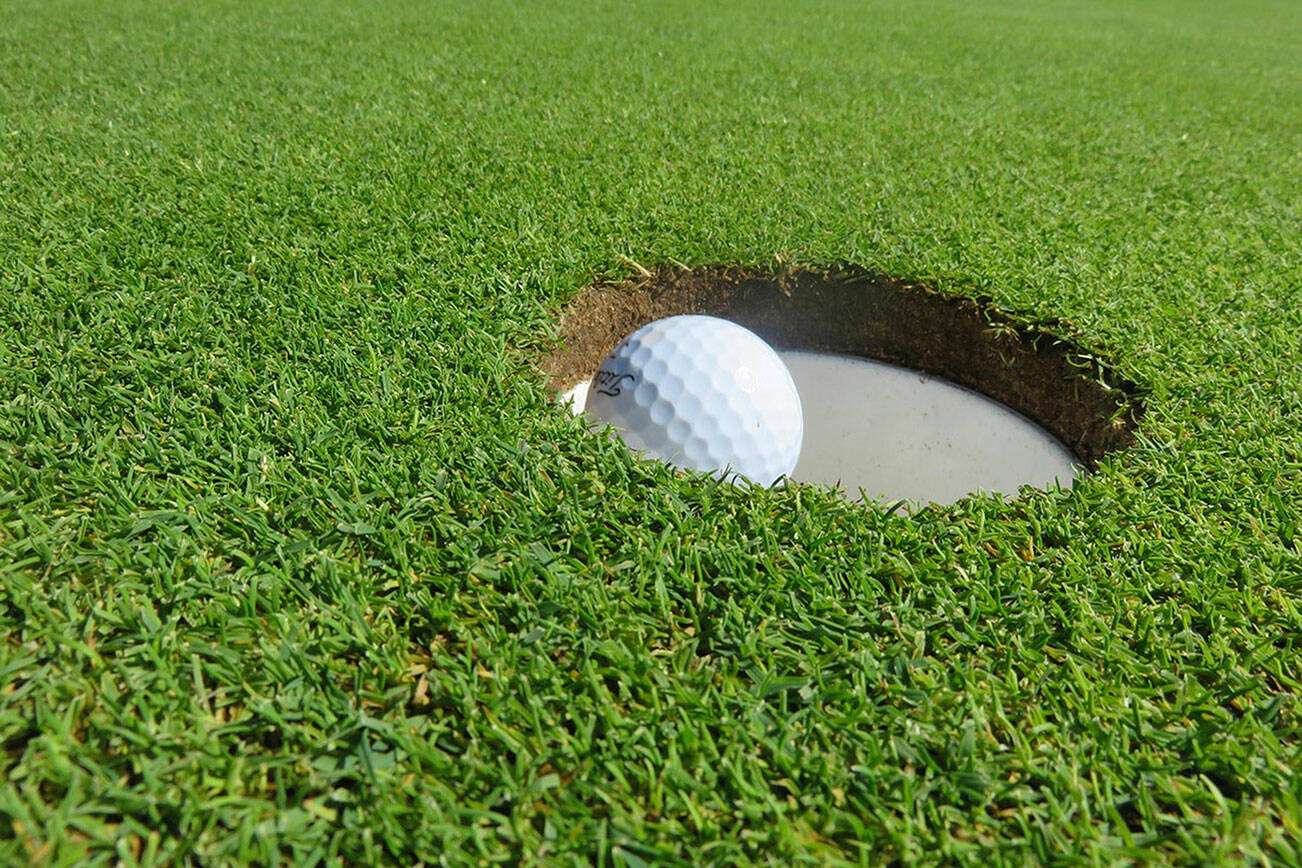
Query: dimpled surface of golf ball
[{"x": 701, "y": 393}]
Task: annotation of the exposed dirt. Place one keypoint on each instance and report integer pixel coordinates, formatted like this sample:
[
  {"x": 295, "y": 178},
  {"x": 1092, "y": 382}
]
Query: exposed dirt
[{"x": 1058, "y": 384}]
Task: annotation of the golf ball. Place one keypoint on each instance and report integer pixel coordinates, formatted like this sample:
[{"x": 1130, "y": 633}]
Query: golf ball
[{"x": 701, "y": 393}]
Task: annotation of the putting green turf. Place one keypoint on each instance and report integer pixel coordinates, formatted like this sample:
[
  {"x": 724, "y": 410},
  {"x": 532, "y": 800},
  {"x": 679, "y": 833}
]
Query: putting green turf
[{"x": 298, "y": 560}]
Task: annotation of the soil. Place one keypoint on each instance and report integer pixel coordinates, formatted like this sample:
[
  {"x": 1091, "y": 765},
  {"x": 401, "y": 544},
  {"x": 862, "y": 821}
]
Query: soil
[{"x": 1060, "y": 385}]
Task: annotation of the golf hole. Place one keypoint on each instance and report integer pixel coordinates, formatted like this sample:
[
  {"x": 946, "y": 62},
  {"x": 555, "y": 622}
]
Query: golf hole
[{"x": 908, "y": 395}]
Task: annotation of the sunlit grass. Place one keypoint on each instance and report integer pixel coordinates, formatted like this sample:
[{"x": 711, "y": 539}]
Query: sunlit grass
[{"x": 299, "y": 562}]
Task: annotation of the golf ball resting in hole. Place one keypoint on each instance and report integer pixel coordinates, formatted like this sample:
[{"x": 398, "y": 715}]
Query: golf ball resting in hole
[{"x": 704, "y": 394}]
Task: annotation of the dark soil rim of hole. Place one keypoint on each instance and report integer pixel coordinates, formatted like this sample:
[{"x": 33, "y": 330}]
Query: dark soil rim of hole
[{"x": 1062, "y": 386}]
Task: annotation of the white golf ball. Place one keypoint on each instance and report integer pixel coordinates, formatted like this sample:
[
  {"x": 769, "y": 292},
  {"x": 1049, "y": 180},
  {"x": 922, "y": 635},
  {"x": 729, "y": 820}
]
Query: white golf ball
[{"x": 701, "y": 393}]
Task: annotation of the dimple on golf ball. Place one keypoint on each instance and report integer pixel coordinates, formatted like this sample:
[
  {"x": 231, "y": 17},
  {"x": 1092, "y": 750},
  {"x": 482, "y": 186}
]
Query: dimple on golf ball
[{"x": 701, "y": 393}]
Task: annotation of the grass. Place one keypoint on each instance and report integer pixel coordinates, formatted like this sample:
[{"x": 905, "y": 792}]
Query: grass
[{"x": 298, "y": 562}]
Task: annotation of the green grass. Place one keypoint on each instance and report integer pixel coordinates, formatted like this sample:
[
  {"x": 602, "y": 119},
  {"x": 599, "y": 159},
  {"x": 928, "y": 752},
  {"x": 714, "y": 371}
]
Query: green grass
[{"x": 299, "y": 562}]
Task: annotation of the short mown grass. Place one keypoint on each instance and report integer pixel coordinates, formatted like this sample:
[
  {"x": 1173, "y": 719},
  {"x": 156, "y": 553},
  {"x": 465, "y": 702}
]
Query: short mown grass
[{"x": 299, "y": 562}]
